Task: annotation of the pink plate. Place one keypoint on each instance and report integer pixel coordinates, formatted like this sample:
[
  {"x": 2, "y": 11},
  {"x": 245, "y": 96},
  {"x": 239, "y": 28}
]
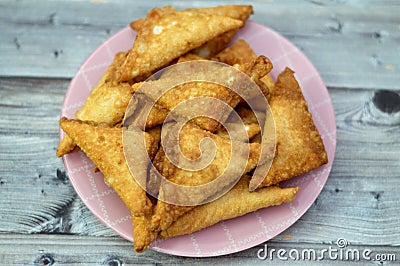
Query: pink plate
[{"x": 235, "y": 234}]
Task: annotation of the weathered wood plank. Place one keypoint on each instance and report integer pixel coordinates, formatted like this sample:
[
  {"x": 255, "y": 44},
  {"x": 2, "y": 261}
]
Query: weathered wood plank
[
  {"x": 85, "y": 250},
  {"x": 359, "y": 201},
  {"x": 352, "y": 43}
]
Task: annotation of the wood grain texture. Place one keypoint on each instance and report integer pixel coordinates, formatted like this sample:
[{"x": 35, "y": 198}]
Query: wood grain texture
[
  {"x": 351, "y": 43},
  {"x": 354, "y": 45},
  {"x": 87, "y": 250}
]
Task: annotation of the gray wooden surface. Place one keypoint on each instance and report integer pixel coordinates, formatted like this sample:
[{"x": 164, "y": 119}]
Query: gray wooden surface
[{"x": 354, "y": 44}]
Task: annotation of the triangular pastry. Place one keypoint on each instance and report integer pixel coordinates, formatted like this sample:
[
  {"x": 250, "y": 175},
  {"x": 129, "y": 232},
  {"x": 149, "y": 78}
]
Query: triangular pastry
[{"x": 164, "y": 37}]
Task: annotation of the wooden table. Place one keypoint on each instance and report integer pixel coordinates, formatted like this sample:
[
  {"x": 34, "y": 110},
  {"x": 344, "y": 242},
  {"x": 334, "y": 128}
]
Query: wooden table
[{"x": 355, "y": 45}]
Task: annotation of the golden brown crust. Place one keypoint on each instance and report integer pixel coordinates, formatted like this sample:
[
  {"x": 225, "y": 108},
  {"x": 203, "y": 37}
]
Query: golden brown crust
[
  {"x": 239, "y": 52},
  {"x": 104, "y": 147},
  {"x": 240, "y": 12},
  {"x": 191, "y": 90},
  {"x": 249, "y": 120},
  {"x": 137, "y": 24},
  {"x": 106, "y": 103},
  {"x": 214, "y": 46},
  {"x": 238, "y": 201},
  {"x": 110, "y": 75},
  {"x": 65, "y": 146},
  {"x": 252, "y": 130},
  {"x": 156, "y": 116},
  {"x": 164, "y": 37},
  {"x": 189, "y": 57},
  {"x": 246, "y": 114},
  {"x": 269, "y": 83},
  {"x": 299, "y": 145},
  {"x": 189, "y": 140},
  {"x": 142, "y": 234},
  {"x": 166, "y": 214},
  {"x": 152, "y": 16},
  {"x": 256, "y": 139},
  {"x": 155, "y": 132},
  {"x": 256, "y": 70}
]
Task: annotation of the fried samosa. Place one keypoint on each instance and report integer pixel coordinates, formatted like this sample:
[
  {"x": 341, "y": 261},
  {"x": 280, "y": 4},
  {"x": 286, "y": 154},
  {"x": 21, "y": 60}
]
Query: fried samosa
[
  {"x": 299, "y": 144},
  {"x": 249, "y": 120},
  {"x": 142, "y": 233},
  {"x": 215, "y": 45},
  {"x": 189, "y": 140},
  {"x": 238, "y": 53},
  {"x": 237, "y": 202},
  {"x": 106, "y": 104},
  {"x": 103, "y": 145},
  {"x": 164, "y": 37}
]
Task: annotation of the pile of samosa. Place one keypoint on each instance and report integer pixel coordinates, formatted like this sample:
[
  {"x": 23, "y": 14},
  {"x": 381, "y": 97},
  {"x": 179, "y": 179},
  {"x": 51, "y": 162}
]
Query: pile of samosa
[{"x": 168, "y": 36}]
